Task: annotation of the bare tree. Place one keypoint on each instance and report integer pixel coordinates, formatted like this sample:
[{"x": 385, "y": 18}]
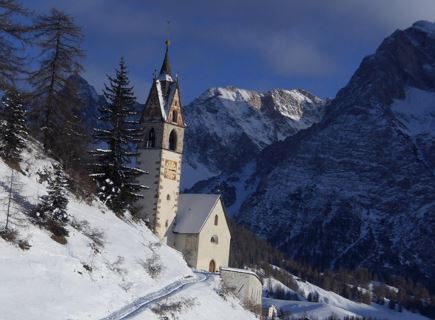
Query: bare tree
[
  {"x": 13, "y": 37},
  {"x": 59, "y": 39},
  {"x": 13, "y": 186}
]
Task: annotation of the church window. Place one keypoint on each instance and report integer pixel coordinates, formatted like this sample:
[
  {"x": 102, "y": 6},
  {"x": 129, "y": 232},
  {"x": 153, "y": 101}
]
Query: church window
[
  {"x": 151, "y": 140},
  {"x": 167, "y": 223},
  {"x": 173, "y": 140},
  {"x": 216, "y": 220},
  {"x": 174, "y": 116},
  {"x": 214, "y": 239}
]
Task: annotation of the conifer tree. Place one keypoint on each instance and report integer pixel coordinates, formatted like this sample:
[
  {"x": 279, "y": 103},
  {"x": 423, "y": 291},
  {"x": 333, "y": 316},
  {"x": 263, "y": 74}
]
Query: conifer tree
[
  {"x": 53, "y": 205},
  {"x": 59, "y": 39},
  {"x": 116, "y": 179},
  {"x": 13, "y": 130}
]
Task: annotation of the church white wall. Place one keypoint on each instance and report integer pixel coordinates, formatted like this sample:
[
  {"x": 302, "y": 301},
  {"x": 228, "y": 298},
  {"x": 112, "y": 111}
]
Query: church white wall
[
  {"x": 187, "y": 244},
  {"x": 207, "y": 250}
]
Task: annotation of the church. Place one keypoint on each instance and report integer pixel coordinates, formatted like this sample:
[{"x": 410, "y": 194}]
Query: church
[{"x": 194, "y": 224}]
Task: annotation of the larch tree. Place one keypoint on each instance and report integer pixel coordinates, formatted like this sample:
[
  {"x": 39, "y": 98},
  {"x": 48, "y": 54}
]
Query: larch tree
[
  {"x": 59, "y": 39},
  {"x": 119, "y": 133},
  {"x": 13, "y": 38},
  {"x": 13, "y": 129}
]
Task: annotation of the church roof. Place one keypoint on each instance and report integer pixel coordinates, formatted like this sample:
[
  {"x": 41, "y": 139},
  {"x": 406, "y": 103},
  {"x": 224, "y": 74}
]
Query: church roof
[
  {"x": 162, "y": 93},
  {"x": 193, "y": 211},
  {"x": 166, "y": 66}
]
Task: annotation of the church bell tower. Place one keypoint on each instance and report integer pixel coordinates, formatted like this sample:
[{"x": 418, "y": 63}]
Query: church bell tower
[{"x": 160, "y": 152}]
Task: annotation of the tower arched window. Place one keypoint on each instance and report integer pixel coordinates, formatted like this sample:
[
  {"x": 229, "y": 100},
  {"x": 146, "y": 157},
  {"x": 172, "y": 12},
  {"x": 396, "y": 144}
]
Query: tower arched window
[
  {"x": 151, "y": 139},
  {"x": 174, "y": 116},
  {"x": 216, "y": 220},
  {"x": 173, "y": 140}
]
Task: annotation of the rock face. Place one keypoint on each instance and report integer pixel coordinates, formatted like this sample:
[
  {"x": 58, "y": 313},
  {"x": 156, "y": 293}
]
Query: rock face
[
  {"x": 228, "y": 127},
  {"x": 358, "y": 188}
]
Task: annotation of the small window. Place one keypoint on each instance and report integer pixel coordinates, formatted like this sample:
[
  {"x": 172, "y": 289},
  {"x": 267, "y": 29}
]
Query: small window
[
  {"x": 167, "y": 223},
  {"x": 216, "y": 220},
  {"x": 214, "y": 239},
  {"x": 168, "y": 197},
  {"x": 174, "y": 116},
  {"x": 173, "y": 140},
  {"x": 151, "y": 139}
]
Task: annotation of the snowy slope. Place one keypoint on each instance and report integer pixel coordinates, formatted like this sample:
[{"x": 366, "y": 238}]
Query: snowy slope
[
  {"x": 416, "y": 115},
  {"x": 331, "y": 304},
  {"x": 82, "y": 279},
  {"x": 200, "y": 303}
]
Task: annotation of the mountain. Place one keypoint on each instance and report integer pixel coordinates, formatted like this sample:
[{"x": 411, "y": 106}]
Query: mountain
[
  {"x": 90, "y": 99},
  {"x": 358, "y": 187},
  {"x": 228, "y": 127}
]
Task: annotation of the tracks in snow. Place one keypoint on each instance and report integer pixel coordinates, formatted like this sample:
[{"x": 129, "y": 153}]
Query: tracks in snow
[{"x": 144, "y": 302}]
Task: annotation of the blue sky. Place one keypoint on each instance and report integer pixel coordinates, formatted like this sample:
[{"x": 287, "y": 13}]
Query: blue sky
[{"x": 254, "y": 44}]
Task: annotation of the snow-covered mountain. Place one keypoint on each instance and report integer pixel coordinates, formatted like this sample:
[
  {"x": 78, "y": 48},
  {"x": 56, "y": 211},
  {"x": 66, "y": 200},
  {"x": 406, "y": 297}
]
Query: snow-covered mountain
[
  {"x": 358, "y": 188},
  {"x": 107, "y": 269},
  {"x": 227, "y": 127}
]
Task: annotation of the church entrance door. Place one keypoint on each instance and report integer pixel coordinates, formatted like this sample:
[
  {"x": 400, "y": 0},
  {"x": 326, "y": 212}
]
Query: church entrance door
[{"x": 212, "y": 266}]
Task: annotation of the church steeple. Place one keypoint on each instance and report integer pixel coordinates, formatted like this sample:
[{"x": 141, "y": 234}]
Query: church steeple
[
  {"x": 166, "y": 67},
  {"x": 160, "y": 152}
]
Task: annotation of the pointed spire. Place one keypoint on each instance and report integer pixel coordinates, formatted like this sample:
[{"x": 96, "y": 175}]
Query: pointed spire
[{"x": 166, "y": 68}]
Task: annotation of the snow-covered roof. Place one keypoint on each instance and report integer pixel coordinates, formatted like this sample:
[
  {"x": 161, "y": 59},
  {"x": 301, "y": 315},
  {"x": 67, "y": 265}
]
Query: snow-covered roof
[{"x": 193, "y": 211}]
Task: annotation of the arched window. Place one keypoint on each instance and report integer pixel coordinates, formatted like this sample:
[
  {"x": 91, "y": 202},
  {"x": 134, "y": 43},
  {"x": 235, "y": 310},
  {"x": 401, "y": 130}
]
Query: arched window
[
  {"x": 214, "y": 239},
  {"x": 167, "y": 223},
  {"x": 174, "y": 116},
  {"x": 173, "y": 140},
  {"x": 216, "y": 220},
  {"x": 151, "y": 140}
]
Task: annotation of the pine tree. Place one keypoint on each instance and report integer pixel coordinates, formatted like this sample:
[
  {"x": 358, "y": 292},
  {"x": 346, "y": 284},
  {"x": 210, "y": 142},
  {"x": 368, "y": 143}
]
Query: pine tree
[
  {"x": 53, "y": 206},
  {"x": 59, "y": 39},
  {"x": 13, "y": 129},
  {"x": 116, "y": 179}
]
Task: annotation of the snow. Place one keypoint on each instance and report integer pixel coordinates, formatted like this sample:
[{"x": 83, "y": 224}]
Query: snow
[
  {"x": 243, "y": 105},
  {"x": 192, "y": 173},
  {"x": 241, "y": 271},
  {"x": 331, "y": 303},
  {"x": 416, "y": 111},
  {"x": 425, "y": 26},
  {"x": 207, "y": 304},
  {"x": 82, "y": 279}
]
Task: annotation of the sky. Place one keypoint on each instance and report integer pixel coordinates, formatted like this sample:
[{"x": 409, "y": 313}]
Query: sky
[{"x": 315, "y": 45}]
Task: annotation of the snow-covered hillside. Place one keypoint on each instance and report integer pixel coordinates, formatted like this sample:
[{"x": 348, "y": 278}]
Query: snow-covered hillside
[
  {"x": 329, "y": 304},
  {"x": 106, "y": 264}
]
